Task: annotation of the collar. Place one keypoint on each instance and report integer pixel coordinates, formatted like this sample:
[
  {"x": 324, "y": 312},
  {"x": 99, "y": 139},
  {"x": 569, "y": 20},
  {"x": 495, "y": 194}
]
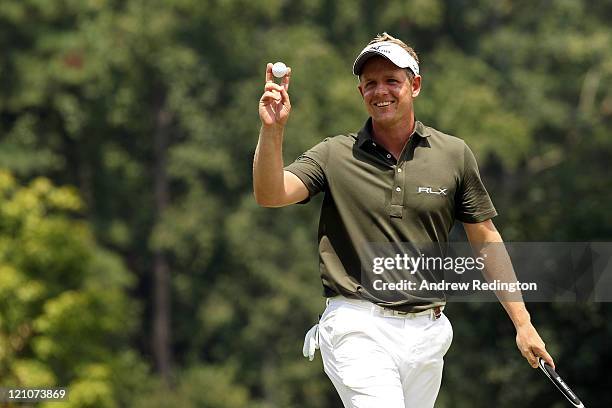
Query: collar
[{"x": 365, "y": 134}]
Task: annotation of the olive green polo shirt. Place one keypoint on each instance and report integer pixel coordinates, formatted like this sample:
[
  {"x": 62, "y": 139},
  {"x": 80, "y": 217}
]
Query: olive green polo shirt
[{"x": 372, "y": 198}]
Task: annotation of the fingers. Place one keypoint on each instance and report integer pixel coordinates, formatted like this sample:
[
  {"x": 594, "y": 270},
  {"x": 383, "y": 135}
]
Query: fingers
[
  {"x": 530, "y": 357},
  {"x": 285, "y": 98},
  {"x": 547, "y": 358},
  {"x": 271, "y": 96},
  {"x": 286, "y": 79},
  {"x": 276, "y": 92},
  {"x": 273, "y": 91},
  {"x": 269, "y": 76},
  {"x": 533, "y": 354},
  {"x": 533, "y": 360},
  {"x": 532, "y": 346},
  {"x": 274, "y": 104},
  {"x": 271, "y": 86}
]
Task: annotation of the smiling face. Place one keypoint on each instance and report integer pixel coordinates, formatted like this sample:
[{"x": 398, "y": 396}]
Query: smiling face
[{"x": 387, "y": 92}]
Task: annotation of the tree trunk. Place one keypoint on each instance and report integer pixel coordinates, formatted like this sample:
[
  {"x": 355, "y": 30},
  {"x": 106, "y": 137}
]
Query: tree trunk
[{"x": 161, "y": 272}]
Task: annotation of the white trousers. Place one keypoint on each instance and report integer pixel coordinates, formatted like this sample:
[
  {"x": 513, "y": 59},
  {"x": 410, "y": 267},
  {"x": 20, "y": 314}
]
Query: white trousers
[{"x": 379, "y": 361}]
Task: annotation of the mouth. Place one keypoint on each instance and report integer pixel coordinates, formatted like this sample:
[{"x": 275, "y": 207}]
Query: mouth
[{"x": 383, "y": 104}]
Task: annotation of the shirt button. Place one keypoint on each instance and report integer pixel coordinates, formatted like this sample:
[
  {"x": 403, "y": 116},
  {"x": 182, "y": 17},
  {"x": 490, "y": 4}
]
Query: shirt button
[
  {"x": 399, "y": 170},
  {"x": 388, "y": 156},
  {"x": 398, "y": 189}
]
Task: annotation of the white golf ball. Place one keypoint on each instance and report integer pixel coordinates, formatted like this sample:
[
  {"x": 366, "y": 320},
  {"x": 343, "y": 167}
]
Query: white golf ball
[{"x": 279, "y": 70}]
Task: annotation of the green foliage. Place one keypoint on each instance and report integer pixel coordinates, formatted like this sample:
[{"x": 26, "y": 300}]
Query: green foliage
[
  {"x": 85, "y": 87},
  {"x": 199, "y": 387},
  {"x": 64, "y": 314}
]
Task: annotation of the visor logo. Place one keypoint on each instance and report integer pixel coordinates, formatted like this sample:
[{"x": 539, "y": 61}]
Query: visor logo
[
  {"x": 429, "y": 190},
  {"x": 380, "y": 48}
]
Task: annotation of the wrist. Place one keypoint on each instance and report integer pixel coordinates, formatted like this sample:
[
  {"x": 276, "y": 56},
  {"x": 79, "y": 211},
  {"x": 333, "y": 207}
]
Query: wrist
[
  {"x": 522, "y": 320},
  {"x": 275, "y": 130}
]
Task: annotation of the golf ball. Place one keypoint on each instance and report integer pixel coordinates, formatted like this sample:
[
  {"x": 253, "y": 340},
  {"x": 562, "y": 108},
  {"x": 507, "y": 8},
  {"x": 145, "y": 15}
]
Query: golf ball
[{"x": 279, "y": 70}]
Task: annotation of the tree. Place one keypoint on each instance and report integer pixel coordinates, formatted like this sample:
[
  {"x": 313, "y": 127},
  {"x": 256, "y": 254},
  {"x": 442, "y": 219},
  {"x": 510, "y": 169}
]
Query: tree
[
  {"x": 149, "y": 110},
  {"x": 64, "y": 312}
]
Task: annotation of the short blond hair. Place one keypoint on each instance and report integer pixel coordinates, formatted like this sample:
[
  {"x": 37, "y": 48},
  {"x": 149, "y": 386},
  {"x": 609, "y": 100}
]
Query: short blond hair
[{"x": 388, "y": 37}]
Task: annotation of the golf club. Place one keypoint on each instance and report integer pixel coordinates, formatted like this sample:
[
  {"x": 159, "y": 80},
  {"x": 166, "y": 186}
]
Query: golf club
[{"x": 560, "y": 384}]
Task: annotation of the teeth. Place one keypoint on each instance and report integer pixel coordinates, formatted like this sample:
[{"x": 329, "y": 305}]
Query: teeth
[{"x": 381, "y": 104}]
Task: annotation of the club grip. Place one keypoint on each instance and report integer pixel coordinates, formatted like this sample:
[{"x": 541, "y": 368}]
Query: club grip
[{"x": 560, "y": 384}]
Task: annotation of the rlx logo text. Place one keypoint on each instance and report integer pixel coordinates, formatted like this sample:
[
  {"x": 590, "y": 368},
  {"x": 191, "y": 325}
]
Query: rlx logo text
[{"x": 429, "y": 190}]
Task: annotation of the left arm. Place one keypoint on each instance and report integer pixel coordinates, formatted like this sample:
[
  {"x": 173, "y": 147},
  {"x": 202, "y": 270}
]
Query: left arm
[{"x": 528, "y": 340}]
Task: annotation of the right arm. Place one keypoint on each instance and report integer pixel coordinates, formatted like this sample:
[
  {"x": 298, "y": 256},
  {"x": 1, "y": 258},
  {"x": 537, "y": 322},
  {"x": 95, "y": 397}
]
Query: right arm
[{"x": 273, "y": 186}]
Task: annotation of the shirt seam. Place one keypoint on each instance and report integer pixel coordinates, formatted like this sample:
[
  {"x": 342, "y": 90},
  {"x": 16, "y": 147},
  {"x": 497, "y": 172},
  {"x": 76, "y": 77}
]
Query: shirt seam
[
  {"x": 301, "y": 175},
  {"x": 326, "y": 159},
  {"x": 487, "y": 215}
]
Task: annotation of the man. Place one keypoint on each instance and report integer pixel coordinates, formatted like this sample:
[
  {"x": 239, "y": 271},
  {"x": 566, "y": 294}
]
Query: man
[{"x": 379, "y": 186}]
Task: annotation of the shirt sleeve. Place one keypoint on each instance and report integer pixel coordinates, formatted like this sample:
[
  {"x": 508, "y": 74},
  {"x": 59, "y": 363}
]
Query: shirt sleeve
[
  {"x": 473, "y": 202},
  {"x": 310, "y": 168}
]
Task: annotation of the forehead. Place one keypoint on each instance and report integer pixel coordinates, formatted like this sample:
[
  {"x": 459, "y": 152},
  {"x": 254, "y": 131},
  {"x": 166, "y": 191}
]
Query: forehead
[{"x": 379, "y": 65}]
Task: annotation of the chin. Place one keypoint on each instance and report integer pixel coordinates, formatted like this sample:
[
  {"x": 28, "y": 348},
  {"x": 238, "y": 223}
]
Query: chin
[{"x": 384, "y": 118}]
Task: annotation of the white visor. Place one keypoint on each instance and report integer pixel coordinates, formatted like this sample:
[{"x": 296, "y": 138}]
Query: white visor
[{"x": 391, "y": 51}]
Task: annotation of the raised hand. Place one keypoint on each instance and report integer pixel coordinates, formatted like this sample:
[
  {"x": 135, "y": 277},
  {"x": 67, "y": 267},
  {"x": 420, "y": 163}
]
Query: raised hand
[{"x": 274, "y": 105}]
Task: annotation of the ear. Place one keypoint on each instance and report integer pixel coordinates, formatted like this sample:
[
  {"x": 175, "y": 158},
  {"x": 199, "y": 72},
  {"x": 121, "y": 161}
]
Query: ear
[
  {"x": 359, "y": 87},
  {"x": 416, "y": 86}
]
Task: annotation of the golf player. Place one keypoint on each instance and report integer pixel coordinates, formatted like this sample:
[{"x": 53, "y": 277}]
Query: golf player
[{"x": 396, "y": 180}]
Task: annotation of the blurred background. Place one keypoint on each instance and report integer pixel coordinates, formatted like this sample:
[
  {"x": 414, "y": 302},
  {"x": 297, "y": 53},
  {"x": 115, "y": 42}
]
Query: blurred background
[{"x": 136, "y": 268}]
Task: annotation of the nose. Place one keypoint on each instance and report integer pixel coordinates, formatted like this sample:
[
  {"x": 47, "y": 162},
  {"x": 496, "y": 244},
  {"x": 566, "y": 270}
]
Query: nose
[{"x": 380, "y": 89}]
